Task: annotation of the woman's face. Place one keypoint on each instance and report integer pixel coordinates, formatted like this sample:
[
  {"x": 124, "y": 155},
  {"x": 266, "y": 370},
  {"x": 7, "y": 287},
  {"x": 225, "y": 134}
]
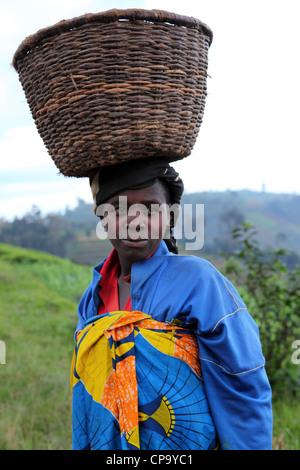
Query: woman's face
[{"x": 136, "y": 220}]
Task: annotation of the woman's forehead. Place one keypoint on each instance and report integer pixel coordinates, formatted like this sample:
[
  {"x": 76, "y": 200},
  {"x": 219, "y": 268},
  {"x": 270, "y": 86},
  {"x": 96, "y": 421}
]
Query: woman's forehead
[{"x": 154, "y": 194}]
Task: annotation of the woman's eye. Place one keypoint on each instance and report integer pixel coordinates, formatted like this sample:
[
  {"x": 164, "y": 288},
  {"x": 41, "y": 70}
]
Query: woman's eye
[
  {"x": 120, "y": 210},
  {"x": 142, "y": 210},
  {"x": 154, "y": 209},
  {"x": 147, "y": 211}
]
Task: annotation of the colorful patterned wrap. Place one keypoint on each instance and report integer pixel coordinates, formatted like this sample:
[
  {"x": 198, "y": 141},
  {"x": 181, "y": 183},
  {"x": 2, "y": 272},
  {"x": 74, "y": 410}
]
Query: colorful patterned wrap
[{"x": 137, "y": 384}]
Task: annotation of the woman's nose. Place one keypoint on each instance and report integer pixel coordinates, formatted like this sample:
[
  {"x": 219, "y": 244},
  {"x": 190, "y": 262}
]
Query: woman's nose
[{"x": 139, "y": 219}]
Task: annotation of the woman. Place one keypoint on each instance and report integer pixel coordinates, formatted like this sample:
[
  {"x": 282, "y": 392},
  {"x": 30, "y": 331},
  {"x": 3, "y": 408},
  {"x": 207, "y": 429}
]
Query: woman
[{"x": 167, "y": 356}]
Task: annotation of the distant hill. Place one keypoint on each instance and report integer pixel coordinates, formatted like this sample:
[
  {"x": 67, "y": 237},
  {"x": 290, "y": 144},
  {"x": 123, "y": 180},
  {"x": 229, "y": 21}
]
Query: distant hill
[
  {"x": 275, "y": 216},
  {"x": 73, "y": 234},
  {"x": 38, "y": 316}
]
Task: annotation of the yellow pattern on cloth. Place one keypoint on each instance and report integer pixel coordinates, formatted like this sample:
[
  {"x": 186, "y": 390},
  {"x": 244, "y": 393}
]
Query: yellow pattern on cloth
[{"x": 112, "y": 353}]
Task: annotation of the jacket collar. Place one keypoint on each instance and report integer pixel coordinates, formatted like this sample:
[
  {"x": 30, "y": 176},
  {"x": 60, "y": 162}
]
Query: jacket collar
[
  {"x": 162, "y": 250},
  {"x": 140, "y": 271}
]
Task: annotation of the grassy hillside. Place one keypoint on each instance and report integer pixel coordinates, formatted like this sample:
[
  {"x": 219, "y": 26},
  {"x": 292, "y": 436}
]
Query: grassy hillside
[{"x": 38, "y": 314}]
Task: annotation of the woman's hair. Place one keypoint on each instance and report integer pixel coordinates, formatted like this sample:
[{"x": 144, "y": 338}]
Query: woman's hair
[{"x": 170, "y": 241}]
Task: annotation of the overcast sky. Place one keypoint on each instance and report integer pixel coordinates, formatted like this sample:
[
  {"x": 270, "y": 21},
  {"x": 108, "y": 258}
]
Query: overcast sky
[{"x": 249, "y": 138}]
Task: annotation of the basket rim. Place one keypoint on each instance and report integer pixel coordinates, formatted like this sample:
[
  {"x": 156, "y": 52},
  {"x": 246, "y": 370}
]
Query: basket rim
[{"x": 162, "y": 16}]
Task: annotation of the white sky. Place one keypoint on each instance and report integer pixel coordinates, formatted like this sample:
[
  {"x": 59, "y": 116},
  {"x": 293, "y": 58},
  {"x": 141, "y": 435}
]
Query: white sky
[{"x": 250, "y": 132}]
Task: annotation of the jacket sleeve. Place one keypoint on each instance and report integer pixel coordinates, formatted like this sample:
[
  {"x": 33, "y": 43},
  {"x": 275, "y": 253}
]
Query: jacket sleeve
[
  {"x": 233, "y": 368},
  {"x": 83, "y": 309}
]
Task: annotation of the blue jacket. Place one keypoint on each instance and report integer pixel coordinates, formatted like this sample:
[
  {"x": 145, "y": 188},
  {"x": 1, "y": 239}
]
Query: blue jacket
[{"x": 190, "y": 289}]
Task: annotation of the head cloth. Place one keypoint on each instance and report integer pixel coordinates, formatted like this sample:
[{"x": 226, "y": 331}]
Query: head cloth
[{"x": 135, "y": 174}]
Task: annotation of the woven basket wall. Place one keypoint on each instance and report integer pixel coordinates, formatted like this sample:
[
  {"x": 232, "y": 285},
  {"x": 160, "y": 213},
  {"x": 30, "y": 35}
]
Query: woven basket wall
[{"x": 123, "y": 84}]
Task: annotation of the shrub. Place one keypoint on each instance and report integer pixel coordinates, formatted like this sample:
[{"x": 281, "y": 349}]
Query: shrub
[{"x": 272, "y": 294}]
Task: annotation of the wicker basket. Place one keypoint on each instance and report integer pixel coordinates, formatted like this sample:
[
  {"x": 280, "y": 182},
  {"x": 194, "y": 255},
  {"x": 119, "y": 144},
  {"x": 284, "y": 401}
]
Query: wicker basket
[{"x": 118, "y": 85}]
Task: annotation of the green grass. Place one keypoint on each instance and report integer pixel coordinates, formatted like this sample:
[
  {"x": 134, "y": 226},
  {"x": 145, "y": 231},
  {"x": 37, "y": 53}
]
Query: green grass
[
  {"x": 38, "y": 314},
  {"x": 286, "y": 429}
]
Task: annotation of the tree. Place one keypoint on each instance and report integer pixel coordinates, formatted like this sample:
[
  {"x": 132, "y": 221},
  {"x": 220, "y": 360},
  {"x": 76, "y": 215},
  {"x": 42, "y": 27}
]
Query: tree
[
  {"x": 52, "y": 233},
  {"x": 229, "y": 219}
]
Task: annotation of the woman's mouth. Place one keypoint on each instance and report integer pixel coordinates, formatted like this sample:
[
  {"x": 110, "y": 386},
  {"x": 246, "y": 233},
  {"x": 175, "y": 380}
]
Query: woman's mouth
[{"x": 139, "y": 243}]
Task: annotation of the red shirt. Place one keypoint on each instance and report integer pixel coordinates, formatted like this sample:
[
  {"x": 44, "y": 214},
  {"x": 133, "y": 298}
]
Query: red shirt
[{"x": 109, "y": 293}]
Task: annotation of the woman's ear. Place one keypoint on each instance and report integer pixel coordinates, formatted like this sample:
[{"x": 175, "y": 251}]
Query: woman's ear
[{"x": 103, "y": 222}]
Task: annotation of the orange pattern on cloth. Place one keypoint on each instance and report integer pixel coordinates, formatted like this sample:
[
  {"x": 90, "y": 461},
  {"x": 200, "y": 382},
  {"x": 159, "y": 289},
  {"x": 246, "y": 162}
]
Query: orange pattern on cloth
[
  {"x": 120, "y": 396},
  {"x": 105, "y": 362}
]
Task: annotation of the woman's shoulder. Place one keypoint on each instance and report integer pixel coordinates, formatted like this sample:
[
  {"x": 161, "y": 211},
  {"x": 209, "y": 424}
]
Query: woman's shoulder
[{"x": 192, "y": 262}]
